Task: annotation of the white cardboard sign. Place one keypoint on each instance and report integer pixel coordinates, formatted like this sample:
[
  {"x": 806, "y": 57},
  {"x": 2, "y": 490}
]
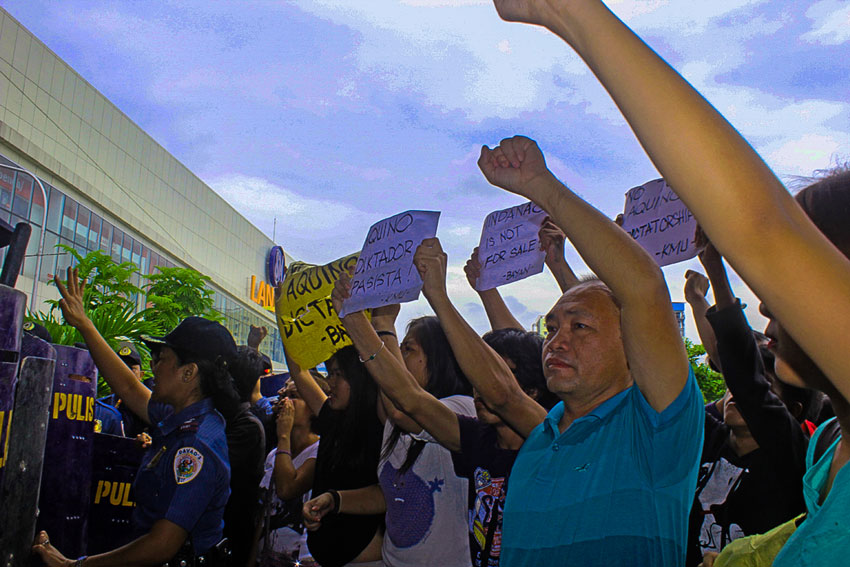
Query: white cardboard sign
[
  {"x": 660, "y": 222},
  {"x": 384, "y": 273},
  {"x": 510, "y": 247}
]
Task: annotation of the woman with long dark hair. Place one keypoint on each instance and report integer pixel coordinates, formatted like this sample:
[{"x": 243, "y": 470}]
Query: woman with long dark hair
[
  {"x": 349, "y": 448},
  {"x": 184, "y": 480},
  {"x": 424, "y": 500}
]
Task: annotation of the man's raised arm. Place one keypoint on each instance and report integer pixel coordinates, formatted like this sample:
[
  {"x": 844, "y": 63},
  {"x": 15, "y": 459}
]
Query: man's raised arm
[
  {"x": 653, "y": 346},
  {"x": 731, "y": 191}
]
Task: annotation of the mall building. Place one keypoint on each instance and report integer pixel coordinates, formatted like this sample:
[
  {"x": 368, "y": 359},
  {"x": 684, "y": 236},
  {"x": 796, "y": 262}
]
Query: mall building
[{"x": 110, "y": 186}]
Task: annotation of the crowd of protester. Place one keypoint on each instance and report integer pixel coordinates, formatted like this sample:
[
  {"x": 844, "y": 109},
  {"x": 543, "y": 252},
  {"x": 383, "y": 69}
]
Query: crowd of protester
[{"x": 591, "y": 447}]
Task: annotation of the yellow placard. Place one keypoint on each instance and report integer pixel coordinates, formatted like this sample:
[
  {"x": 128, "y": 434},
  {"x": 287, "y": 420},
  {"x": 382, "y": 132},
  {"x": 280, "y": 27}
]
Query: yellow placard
[{"x": 309, "y": 326}]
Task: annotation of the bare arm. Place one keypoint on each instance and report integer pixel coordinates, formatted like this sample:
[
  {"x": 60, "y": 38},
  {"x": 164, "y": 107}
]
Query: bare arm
[
  {"x": 713, "y": 264},
  {"x": 552, "y": 241},
  {"x": 117, "y": 374},
  {"x": 308, "y": 389},
  {"x": 498, "y": 314},
  {"x": 360, "y": 501},
  {"x": 486, "y": 370},
  {"x": 256, "y": 336},
  {"x": 289, "y": 482},
  {"x": 732, "y": 192},
  {"x": 696, "y": 287},
  {"x": 653, "y": 346},
  {"x": 392, "y": 376},
  {"x": 154, "y": 548}
]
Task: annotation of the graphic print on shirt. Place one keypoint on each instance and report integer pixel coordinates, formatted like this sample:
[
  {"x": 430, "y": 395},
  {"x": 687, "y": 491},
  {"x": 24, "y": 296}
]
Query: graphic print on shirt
[
  {"x": 411, "y": 498},
  {"x": 719, "y": 480},
  {"x": 489, "y": 500}
]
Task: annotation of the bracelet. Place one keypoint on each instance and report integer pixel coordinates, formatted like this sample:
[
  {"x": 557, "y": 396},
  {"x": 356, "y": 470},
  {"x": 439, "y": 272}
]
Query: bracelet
[
  {"x": 374, "y": 355},
  {"x": 387, "y": 334},
  {"x": 335, "y": 496},
  {"x": 79, "y": 561},
  {"x": 282, "y": 452}
]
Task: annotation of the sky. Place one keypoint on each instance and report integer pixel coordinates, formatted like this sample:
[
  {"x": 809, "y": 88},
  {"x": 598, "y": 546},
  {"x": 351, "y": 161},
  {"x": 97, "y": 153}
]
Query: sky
[{"x": 318, "y": 118}]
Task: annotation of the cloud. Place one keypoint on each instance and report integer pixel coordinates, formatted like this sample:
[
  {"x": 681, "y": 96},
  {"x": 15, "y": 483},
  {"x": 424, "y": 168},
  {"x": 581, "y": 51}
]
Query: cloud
[
  {"x": 831, "y": 22},
  {"x": 314, "y": 230},
  {"x": 809, "y": 152}
]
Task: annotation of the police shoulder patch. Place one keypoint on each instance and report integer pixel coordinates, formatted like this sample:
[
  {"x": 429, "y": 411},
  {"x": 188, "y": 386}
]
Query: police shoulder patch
[{"x": 188, "y": 462}]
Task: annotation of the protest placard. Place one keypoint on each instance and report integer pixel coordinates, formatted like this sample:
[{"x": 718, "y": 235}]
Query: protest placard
[
  {"x": 309, "y": 326},
  {"x": 384, "y": 273},
  {"x": 660, "y": 222},
  {"x": 510, "y": 249}
]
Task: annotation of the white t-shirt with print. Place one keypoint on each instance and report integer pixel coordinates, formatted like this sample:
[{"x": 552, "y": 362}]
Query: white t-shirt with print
[
  {"x": 285, "y": 539},
  {"x": 427, "y": 506}
]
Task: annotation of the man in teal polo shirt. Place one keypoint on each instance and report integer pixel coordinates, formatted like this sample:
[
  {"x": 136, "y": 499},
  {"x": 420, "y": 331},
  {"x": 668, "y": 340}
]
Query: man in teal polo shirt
[{"x": 608, "y": 476}]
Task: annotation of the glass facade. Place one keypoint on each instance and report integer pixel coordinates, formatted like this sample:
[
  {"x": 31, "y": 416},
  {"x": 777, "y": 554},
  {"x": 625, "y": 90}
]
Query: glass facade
[{"x": 75, "y": 225}]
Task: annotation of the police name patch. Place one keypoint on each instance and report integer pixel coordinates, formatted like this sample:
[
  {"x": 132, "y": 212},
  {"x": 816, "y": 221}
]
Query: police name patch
[{"x": 187, "y": 464}]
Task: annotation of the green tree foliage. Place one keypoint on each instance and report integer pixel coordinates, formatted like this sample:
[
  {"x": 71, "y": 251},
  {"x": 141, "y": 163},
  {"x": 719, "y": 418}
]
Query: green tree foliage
[
  {"x": 177, "y": 293},
  {"x": 111, "y": 302},
  {"x": 710, "y": 382}
]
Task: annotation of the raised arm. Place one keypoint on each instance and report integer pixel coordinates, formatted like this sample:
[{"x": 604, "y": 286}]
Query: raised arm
[
  {"x": 653, "y": 346},
  {"x": 552, "y": 240},
  {"x": 498, "y": 314},
  {"x": 749, "y": 216},
  {"x": 308, "y": 389},
  {"x": 289, "y": 482},
  {"x": 256, "y": 336},
  {"x": 392, "y": 376},
  {"x": 118, "y": 375},
  {"x": 712, "y": 261},
  {"x": 488, "y": 373},
  {"x": 696, "y": 288}
]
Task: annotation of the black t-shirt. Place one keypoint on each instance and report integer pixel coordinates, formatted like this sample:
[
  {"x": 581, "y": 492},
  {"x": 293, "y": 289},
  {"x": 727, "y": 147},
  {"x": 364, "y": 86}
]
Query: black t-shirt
[
  {"x": 246, "y": 448},
  {"x": 341, "y": 537},
  {"x": 487, "y": 466}
]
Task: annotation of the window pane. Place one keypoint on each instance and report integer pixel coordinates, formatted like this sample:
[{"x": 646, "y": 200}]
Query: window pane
[
  {"x": 94, "y": 232},
  {"x": 32, "y": 254},
  {"x": 105, "y": 236},
  {"x": 82, "y": 230},
  {"x": 23, "y": 194},
  {"x": 117, "y": 237},
  {"x": 69, "y": 219},
  {"x": 64, "y": 259},
  {"x": 37, "y": 210},
  {"x": 154, "y": 262},
  {"x": 48, "y": 259},
  {"x": 7, "y": 182},
  {"x": 54, "y": 209},
  {"x": 137, "y": 253},
  {"x": 127, "y": 248},
  {"x": 145, "y": 264}
]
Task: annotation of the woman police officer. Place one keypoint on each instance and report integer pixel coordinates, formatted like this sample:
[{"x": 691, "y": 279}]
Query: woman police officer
[{"x": 183, "y": 482}]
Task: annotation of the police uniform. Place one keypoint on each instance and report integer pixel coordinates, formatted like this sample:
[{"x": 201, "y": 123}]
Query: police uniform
[
  {"x": 107, "y": 419},
  {"x": 185, "y": 473}
]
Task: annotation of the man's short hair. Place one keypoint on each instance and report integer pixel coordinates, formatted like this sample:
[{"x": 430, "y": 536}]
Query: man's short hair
[{"x": 593, "y": 280}]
